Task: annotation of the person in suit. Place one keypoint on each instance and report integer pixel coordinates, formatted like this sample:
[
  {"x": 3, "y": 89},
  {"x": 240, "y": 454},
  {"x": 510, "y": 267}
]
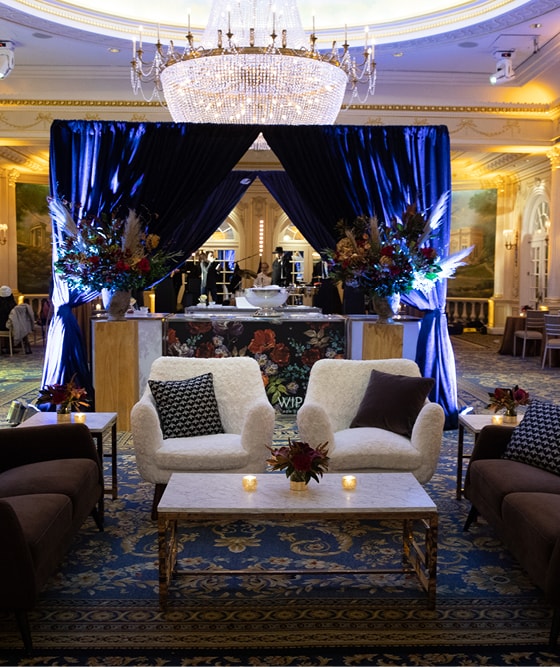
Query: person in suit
[
  {"x": 280, "y": 268},
  {"x": 326, "y": 296},
  {"x": 191, "y": 283}
]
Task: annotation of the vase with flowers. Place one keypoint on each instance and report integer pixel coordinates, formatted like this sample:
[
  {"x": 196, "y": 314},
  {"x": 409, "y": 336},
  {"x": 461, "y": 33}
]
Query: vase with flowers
[
  {"x": 300, "y": 461},
  {"x": 64, "y": 398},
  {"x": 508, "y": 400},
  {"x": 112, "y": 253},
  {"x": 390, "y": 259}
]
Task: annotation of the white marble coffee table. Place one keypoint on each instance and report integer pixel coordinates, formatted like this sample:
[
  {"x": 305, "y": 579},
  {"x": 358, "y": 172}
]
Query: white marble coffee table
[{"x": 378, "y": 496}]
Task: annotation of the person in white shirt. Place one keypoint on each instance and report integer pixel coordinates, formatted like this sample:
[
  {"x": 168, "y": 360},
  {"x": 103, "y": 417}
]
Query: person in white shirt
[{"x": 263, "y": 278}]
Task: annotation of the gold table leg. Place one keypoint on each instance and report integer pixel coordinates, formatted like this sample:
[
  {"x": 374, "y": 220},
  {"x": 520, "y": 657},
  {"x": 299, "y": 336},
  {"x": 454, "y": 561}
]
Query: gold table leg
[{"x": 167, "y": 556}]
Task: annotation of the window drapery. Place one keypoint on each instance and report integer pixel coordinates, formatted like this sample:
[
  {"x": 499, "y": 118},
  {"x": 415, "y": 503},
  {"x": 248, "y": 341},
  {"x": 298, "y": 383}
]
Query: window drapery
[{"x": 183, "y": 173}]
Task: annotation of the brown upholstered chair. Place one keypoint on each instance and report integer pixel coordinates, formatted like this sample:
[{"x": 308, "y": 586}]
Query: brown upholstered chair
[{"x": 50, "y": 482}]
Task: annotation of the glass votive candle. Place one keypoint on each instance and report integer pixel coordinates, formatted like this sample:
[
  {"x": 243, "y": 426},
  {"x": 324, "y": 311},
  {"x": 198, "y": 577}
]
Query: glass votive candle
[
  {"x": 498, "y": 420},
  {"x": 250, "y": 483},
  {"x": 80, "y": 417},
  {"x": 349, "y": 482}
]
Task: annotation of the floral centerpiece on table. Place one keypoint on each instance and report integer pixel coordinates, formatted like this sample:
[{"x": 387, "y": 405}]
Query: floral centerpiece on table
[
  {"x": 508, "y": 399},
  {"x": 112, "y": 251},
  {"x": 300, "y": 461},
  {"x": 66, "y": 397}
]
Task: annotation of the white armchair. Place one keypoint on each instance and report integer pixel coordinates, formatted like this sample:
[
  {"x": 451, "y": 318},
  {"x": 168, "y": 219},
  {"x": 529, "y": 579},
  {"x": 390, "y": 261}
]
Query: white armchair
[
  {"x": 334, "y": 393},
  {"x": 246, "y": 414}
]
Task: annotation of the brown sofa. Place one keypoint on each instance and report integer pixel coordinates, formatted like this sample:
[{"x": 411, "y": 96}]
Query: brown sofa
[
  {"x": 522, "y": 504},
  {"x": 50, "y": 481}
]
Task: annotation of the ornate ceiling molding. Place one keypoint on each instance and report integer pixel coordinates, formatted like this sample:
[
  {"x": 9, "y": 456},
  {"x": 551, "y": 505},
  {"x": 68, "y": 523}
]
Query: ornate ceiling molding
[{"x": 23, "y": 160}]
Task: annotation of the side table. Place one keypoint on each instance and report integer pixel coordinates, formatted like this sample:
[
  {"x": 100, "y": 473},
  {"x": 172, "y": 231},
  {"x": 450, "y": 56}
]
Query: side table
[
  {"x": 474, "y": 424},
  {"x": 99, "y": 425}
]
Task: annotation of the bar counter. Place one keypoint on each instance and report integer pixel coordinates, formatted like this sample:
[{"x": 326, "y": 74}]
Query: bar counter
[{"x": 285, "y": 346}]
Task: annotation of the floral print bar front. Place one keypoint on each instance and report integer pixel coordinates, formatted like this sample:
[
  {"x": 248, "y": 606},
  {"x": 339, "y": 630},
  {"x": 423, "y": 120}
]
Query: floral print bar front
[{"x": 285, "y": 350}]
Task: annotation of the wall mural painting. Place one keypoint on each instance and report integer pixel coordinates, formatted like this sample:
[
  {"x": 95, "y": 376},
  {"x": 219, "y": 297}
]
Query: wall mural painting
[
  {"x": 34, "y": 238},
  {"x": 473, "y": 223}
]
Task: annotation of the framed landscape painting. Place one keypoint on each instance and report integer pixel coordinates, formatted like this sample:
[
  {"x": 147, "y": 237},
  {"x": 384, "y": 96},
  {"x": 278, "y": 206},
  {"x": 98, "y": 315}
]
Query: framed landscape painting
[
  {"x": 34, "y": 238},
  {"x": 473, "y": 223}
]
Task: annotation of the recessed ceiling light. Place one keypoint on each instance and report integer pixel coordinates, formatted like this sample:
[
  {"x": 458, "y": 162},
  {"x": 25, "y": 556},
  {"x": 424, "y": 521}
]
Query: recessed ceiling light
[
  {"x": 536, "y": 25},
  {"x": 398, "y": 54},
  {"x": 467, "y": 45},
  {"x": 41, "y": 35},
  {"x": 112, "y": 49}
]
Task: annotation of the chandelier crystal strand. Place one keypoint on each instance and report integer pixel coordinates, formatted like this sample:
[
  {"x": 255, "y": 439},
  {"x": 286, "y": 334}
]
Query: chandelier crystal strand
[{"x": 254, "y": 66}]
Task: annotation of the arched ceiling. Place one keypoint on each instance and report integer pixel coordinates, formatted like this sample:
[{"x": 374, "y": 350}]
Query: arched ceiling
[
  {"x": 434, "y": 59},
  {"x": 387, "y": 22}
]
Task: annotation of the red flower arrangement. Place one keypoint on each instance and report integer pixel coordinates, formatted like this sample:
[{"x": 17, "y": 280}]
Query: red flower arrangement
[
  {"x": 300, "y": 461},
  {"x": 112, "y": 251},
  {"x": 64, "y": 396},
  {"x": 395, "y": 257},
  {"x": 509, "y": 399},
  {"x": 385, "y": 259}
]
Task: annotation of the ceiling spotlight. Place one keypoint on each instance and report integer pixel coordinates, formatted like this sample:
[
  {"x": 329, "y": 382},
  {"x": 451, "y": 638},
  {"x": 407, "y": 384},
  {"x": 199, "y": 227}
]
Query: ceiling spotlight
[
  {"x": 504, "y": 68},
  {"x": 6, "y": 58}
]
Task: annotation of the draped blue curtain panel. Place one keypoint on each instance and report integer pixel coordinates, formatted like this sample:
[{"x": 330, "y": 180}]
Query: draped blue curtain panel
[{"x": 184, "y": 174}]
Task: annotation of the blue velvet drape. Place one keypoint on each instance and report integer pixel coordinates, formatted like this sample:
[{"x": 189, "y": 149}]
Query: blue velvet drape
[
  {"x": 172, "y": 169},
  {"x": 346, "y": 171},
  {"x": 182, "y": 173},
  {"x": 281, "y": 187}
]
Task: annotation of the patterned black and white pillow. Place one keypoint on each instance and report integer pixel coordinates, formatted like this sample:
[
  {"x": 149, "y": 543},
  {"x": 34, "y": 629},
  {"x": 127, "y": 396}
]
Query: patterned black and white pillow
[
  {"x": 187, "y": 408},
  {"x": 536, "y": 441}
]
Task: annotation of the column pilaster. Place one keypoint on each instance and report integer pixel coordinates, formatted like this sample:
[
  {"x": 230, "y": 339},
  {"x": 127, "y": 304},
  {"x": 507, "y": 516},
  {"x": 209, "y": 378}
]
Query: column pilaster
[
  {"x": 553, "y": 288},
  {"x": 8, "y": 251}
]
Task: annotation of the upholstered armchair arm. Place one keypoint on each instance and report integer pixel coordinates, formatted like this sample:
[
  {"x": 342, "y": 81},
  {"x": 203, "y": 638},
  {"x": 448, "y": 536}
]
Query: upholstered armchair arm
[
  {"x": 258, "y": 431},
  {"x": 552, "y": 580},
  {"x": 19, "y": 589},
  {"x": 147, "y": 435},
  {"x": 314, "y": 424},
  {"x": 426, "y": 437},
  {"x": 490, "y": 444},
  {"x": 31, "y": 444}
]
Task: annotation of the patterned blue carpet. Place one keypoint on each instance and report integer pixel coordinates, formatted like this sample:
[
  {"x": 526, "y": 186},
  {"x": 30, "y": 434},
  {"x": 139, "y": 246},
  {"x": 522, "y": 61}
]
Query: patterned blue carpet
[{"x": 101, "y": 608}]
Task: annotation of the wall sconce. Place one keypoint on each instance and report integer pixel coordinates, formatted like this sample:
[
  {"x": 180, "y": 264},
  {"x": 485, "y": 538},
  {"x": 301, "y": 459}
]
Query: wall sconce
[
  {"x": 510, "y": 241},
  {"x": 3, "y": 233}
]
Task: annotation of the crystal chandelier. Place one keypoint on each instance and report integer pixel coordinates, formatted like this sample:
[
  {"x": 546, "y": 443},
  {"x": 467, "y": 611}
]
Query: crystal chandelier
[{"x": 253, "y": 67}]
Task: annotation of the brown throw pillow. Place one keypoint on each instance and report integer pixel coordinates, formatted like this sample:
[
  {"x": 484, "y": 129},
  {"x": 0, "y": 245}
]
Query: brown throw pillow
[{"x": 392, "y": 402}]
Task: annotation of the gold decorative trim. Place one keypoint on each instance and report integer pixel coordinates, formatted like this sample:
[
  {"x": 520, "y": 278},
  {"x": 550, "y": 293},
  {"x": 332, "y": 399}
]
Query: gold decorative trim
[
  {"x": 77, "y": 103},
  {"x": 554, "y": 156},
  {"x": 512, "y": 126},
  {"x": 518, "y": 108}
]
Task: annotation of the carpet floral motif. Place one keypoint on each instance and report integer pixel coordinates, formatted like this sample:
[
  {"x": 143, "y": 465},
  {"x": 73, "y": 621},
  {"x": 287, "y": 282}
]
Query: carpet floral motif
[{"x": 102, "y": 608}]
